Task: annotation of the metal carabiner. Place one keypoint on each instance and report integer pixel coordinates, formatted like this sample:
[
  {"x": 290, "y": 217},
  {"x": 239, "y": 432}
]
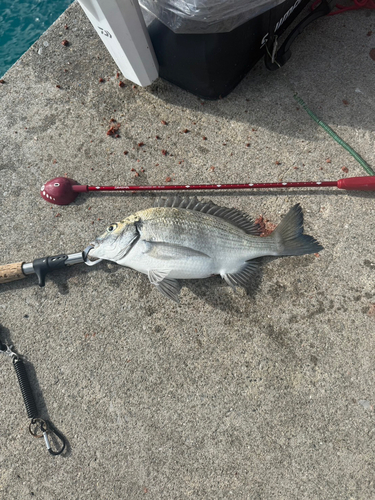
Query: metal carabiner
[
  {"x": 8, "y": 350},
  {"x": 45, "y": 429}
]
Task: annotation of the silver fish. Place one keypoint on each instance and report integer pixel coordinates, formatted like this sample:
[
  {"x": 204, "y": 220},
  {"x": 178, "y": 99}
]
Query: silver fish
[{"x": 183, "y": 238}]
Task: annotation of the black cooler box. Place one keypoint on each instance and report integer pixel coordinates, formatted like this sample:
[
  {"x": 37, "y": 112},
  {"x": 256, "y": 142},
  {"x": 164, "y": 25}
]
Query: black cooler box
[{"x": 210, "y": 65}]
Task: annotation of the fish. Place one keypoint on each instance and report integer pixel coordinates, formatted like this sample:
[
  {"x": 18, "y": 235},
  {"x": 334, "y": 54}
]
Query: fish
[{"x": 184, "y": 238}]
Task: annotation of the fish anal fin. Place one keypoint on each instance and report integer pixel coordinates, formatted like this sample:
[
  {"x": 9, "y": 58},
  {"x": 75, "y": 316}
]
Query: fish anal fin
[{"x": 244, "y": 277}]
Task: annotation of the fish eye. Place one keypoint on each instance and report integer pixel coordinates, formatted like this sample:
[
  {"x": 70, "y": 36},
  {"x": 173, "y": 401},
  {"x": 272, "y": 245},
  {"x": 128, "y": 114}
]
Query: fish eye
[{"x": 111, "y": 228}]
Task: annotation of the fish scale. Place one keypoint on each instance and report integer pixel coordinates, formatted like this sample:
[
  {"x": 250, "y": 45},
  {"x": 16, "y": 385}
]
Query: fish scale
[{"x": 173, "y": 224}]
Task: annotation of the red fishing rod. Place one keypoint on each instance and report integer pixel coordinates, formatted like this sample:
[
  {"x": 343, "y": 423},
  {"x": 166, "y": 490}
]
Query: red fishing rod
[{"x": 62, "y": 190}]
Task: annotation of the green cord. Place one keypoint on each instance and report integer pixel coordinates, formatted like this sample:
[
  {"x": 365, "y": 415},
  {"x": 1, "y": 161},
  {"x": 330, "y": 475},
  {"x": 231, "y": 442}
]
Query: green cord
[{"x": 338, "y": 139}]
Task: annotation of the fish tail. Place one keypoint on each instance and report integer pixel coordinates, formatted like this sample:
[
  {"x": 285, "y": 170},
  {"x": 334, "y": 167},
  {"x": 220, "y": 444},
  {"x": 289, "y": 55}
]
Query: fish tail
[{"x": 289, "y": 236}]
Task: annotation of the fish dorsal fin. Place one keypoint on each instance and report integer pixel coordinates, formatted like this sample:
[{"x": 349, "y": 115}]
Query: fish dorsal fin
[{"x": 235, "y": 217}]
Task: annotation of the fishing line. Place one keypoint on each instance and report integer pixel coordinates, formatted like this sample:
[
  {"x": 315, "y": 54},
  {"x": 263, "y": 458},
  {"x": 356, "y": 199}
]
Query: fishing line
[{"x": 334, "y": 136}]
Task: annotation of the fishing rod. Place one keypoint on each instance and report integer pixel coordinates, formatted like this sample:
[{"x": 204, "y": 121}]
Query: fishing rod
[
  {"x": 42, "y": 266},
  {"x": 63, "y": 191}
]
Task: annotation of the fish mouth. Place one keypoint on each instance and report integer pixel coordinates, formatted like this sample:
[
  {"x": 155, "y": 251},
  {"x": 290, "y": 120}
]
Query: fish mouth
[{"x": 90, "y": 260}]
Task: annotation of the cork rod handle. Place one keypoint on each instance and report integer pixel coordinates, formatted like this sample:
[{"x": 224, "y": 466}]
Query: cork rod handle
[{"x": 11, "y": 272}]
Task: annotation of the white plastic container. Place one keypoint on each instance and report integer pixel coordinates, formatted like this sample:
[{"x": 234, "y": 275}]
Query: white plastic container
[{"x": 121, "y": 26}]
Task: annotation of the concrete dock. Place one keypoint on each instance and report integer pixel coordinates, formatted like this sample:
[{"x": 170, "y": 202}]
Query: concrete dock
[{"x": 264, "y": 394}]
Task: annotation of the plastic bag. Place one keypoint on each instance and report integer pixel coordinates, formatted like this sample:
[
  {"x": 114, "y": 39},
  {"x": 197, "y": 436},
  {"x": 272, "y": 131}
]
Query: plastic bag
[{"x": 205, "y": 16}]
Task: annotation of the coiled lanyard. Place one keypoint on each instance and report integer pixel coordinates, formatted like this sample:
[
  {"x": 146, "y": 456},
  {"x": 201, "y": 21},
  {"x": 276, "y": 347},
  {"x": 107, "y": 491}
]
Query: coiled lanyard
[{"x": 38, "y": 427}]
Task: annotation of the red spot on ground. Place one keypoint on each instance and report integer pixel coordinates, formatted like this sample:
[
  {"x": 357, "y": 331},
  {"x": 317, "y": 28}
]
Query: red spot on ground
[
  {"x": 371, "y": 311},
  {"x": 265, "y": 226}
]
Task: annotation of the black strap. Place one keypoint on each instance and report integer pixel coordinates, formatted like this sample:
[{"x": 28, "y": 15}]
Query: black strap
[{"x": 284, "y": 54}]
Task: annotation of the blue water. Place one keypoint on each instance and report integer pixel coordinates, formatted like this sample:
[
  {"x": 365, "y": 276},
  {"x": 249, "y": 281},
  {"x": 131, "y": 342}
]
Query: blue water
[{"x": 21, "y": 24}]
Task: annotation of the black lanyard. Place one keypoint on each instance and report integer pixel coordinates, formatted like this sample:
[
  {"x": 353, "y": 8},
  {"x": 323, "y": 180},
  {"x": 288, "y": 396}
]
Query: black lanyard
[{"x": 38, "y": 427}]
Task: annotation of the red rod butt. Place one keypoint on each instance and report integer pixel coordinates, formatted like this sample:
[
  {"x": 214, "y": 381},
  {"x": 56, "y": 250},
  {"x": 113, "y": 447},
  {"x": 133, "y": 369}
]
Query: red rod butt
[{"x": 357, "y": 183}]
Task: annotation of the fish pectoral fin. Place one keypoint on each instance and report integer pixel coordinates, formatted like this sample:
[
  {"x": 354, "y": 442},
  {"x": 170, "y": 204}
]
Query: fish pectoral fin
[
  {"x": 244, "y": 276},
  {"x": 170, "y": 288},
  {"x": 157, "y": 275}
]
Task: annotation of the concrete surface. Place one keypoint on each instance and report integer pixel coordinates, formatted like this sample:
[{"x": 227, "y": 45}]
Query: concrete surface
[{"x": 268, "y": 395}]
